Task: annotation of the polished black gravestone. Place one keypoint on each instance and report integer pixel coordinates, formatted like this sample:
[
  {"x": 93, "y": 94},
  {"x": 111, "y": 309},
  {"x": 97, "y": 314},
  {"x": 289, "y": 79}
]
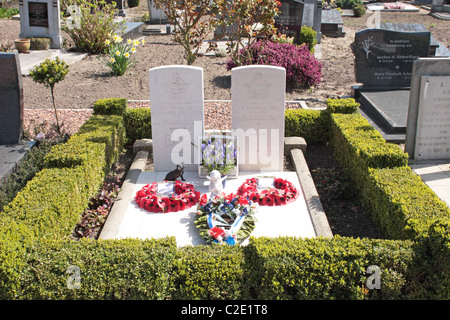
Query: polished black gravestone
[
  {"x": 332, "y": 23},
  {"x": 384, "y": 60},
  {"x": 12, "y": 149},
  {"x": 11, "y": 99}
]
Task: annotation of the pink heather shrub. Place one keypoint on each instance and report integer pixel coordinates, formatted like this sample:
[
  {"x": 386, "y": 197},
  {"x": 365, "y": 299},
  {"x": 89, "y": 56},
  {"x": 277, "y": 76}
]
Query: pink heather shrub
[{"x": 302, "y": 68}]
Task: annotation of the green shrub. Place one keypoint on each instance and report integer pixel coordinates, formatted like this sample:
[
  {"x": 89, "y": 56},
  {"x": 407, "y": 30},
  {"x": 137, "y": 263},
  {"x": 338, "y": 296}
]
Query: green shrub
[
  {"x": 348, "y": 4},
  {"x": 116, "y": 106},
  {"x": 307, "y": 35},
  {"x": 211, "y": 272},
  {"x": 107, "y": 132},
  {"x": 320, "y": 268},
  {"x": 109, "y": 269},
  {"x": 138, "y": 123},
  {"x": 359, "y": 10},
  {"x": 309, "y": 124},
  {"x": 348, "y": 105},
  {"x": 357, "y": 146},
  {"x": 401, "y": 203},
  {"x": 133, "y": 3}
]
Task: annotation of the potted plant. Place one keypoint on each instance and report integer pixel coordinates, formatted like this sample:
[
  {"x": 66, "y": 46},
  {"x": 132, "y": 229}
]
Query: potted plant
[
  {"x": 218, "y": 153},
  {"x": 22, "y": 45}
]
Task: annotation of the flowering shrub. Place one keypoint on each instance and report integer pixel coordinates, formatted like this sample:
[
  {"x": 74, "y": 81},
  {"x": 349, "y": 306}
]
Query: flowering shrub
[
  {"x": 119, "y": 54},
  {"x": 302, "y": 68},
  {"x": 88, "y": 23}
]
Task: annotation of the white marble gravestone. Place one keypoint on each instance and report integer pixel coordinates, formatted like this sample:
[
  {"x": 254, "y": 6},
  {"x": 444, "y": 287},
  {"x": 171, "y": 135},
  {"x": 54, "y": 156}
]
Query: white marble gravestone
[
  {"x": 40, "y": 19},
  {"x": 176, "y": 102},
  {"x": 433, "y": 120},
  {"x": 258, "y": 98},
  {"x": 428, "y": 123}
]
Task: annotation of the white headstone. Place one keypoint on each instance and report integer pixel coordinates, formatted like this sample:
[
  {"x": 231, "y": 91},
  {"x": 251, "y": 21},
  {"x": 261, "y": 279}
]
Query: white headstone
[
  {"x": 428, "y": 124},
  {"x": 258, "y": 99},
  {"x": 176, "y": 102},
  {"x": 40, "y": 19},
  {"x": 433, "y": 121}
]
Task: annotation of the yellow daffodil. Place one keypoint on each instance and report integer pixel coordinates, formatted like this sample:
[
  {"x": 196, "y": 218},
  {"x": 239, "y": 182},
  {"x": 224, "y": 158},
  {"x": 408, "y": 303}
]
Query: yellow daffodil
[
  {"x": 133, "y": 50},
  {"x": 113, "y": 60},
  {"x": 127, "y": 55},
  {"x": 136, "y": 42},
  {"x": 117, "y": 53},
  {"x": 107, "y": 42},
  {"x": 129, "y": 41},
  {"x": 143, "y": 41}
]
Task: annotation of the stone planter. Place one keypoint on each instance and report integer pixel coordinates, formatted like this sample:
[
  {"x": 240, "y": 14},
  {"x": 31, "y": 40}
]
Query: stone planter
[{"x": 22, "y": 45}]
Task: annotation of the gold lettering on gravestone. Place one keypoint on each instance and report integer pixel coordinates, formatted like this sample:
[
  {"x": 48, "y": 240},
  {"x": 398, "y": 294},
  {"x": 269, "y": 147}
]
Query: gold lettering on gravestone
[{"x": 37, "y": 14}]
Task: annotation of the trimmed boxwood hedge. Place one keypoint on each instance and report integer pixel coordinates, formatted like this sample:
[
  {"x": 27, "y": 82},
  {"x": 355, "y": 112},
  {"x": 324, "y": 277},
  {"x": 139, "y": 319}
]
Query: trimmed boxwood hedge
[{"x": 35, "y": 250}]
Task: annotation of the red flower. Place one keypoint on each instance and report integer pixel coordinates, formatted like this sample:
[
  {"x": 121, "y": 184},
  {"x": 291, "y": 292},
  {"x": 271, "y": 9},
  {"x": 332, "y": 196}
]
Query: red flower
[
  {"x": 254, "y": 196},
  {"x": 266, "y": 201},
  {"x": 203, "y": 199},
  {"x": 243, "y": 201},
  {"x": 216, "y": 232}
]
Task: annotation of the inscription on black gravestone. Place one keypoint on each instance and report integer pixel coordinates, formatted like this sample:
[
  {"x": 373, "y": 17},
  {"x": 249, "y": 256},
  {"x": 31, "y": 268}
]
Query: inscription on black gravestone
[
  {"x": 38, "y": 14},
  {"x": 384, "y": 58}
]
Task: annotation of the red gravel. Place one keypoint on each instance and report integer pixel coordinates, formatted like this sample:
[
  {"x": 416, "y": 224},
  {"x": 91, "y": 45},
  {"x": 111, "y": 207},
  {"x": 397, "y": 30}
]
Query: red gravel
[{"x": 217, "y": 116}]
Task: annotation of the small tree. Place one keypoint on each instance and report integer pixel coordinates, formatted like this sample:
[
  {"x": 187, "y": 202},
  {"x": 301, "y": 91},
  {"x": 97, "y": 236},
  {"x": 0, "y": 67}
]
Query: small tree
[
  {"x": 193, "y": 21},
  {"x": 243, "y": 22},
  {"x": 49, "y": 73}
]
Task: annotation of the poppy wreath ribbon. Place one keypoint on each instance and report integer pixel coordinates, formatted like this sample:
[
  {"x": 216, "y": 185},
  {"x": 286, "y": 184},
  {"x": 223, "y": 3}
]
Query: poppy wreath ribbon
[
  {"x": 282, "y": 194},
  {"x": 184, "y": 197}
]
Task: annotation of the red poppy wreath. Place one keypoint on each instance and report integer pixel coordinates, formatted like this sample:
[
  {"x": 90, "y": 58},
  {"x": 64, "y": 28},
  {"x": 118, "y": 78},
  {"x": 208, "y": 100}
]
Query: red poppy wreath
[
  {"x": 283, "y": 192},
  {"x": 184, "y": 197}
]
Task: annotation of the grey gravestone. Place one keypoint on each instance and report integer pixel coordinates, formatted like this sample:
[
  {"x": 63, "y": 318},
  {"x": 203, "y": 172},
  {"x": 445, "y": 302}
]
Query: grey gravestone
[
  {"x": 11, "y": 99},
  {"x": 428, "y": 125},
  {"x": 384, "y": 58}
]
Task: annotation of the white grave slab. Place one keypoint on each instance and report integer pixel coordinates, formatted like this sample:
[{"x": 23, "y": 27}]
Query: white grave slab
[
  {"x": 289, "y": 220},
  {"x": 433, "y": 120},
  {"x": 176, "y": 96},
  {"x": 258, "y": 101},
  {"x": 40, "y": 18}
]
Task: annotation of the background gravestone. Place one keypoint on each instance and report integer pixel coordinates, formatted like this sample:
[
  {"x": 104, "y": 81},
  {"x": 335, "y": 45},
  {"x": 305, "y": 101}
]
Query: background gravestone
[
  {"x": 11, "y": 99},
  {"x": 258, "y": 101},
  {"x": 296, "y": 13},
  {"x": 428, "y": 126},
  {"x": 40, "y": 19},
  {"x": 384, "y": 58},
  {"x": 176, "y": 97}
]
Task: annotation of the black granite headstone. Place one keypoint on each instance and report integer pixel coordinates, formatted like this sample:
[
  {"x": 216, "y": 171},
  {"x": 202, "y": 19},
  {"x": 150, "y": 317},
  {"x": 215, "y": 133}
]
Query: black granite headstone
[
  {"x": 11, "y": 99},
  {"x": 384, "y": 58}
]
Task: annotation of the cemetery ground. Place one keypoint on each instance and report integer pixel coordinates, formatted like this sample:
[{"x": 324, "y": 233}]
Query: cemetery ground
[{"x": 89, "y": 80}]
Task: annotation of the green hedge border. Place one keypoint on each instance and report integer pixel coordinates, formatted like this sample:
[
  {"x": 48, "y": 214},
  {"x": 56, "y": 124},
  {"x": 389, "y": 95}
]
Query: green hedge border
[{"x": 35, "y": 251}]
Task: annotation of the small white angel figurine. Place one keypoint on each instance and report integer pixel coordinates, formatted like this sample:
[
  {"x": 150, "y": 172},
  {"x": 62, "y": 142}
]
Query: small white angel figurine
[{"x": 215, "y": 186}]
